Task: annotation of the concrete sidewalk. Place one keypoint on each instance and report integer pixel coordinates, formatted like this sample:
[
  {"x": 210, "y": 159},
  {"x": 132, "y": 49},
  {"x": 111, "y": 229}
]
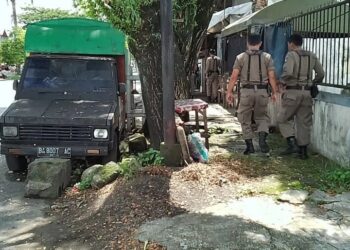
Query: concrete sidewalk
[{"x": 250, "y": 222}]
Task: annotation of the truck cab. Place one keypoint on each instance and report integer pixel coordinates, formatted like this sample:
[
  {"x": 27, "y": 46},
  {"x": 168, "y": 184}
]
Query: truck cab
[{"x": 67, "y": 100}]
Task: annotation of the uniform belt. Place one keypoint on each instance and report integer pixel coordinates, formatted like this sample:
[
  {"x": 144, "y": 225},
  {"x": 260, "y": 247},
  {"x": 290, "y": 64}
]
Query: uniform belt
[
  {"x": 298, "y": 87},
  {"x": 251, "y": 86}
]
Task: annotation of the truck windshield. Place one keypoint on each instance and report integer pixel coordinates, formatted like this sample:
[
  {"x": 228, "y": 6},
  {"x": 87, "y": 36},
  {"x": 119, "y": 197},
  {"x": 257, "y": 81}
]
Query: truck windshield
[{"x": 74, "y": 75}]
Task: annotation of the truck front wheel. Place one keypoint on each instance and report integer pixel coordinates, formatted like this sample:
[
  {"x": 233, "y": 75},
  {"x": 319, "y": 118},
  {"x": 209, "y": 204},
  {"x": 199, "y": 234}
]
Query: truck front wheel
[{"x": 16, "y": 163}]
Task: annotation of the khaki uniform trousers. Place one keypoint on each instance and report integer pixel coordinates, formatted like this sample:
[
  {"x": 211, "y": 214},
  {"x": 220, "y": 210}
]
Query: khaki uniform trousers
[
  {"x": 297, "y": 107},
  {"x": 213, "y": 86},
  {"x": 253, "y": 100}
]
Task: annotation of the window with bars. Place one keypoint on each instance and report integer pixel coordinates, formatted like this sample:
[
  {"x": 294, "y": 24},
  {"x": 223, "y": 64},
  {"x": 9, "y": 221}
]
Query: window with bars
[{"x": 326, "y": 33}]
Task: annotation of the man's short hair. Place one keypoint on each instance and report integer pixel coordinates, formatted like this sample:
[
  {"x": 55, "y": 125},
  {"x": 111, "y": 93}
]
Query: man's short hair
[
  {"x": 296, "y": 39},
  {"x": 254, "y": 39}
]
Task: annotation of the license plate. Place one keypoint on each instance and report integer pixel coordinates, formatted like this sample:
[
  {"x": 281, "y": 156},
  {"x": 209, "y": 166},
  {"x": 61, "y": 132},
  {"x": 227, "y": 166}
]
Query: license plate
[{"x": 54, "y": 152}]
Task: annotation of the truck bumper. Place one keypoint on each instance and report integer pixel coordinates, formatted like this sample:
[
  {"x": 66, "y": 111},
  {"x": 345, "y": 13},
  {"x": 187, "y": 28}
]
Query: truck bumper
[{"x": 54, "y": 151}]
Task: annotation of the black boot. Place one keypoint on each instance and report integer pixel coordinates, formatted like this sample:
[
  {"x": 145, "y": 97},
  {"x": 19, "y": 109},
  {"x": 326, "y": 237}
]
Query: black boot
[
  {"x": 262, "y": 142},
  {"x": 303, "y": 152},
  {"x": 250, "y": 147},
  {"x": 209, "y": 99},
  {"x": 291, "y": 146}
]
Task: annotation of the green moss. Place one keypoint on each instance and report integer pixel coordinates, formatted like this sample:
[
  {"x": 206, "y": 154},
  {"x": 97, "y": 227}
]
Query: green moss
[
  {"x": 279, "y": 187},
  {"x": 110, "y": 169},
  {"x": 291, "y": 172}
]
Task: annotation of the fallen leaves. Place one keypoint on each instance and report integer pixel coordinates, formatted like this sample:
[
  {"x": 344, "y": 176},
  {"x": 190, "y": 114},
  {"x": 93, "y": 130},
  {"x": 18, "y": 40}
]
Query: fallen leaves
[
  {"x": 209, "y": 174},
  {"x": 126, "y": 205},
  {"x": 157, "y": 171}
]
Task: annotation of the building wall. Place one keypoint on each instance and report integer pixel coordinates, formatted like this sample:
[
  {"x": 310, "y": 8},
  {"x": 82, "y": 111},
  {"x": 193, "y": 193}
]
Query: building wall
[{"x": 331, "y": 127}]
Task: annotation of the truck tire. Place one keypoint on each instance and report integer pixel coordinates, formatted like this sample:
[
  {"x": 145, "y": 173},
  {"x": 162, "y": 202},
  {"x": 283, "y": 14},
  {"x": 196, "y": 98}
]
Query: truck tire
[
  {"x": 16, "y": 163},
  {"x": 114, "y": 154}
]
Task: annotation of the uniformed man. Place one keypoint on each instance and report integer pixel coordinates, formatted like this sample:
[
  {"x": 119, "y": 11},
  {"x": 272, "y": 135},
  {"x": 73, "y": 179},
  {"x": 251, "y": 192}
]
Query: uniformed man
[
  {"x": 255, "y": 70},
  {"x": 297, "y": 101},
  {"x": 213, "y": 68}
]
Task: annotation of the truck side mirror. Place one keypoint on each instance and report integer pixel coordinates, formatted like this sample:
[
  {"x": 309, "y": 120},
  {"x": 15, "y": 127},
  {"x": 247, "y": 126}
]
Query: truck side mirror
[{"x": 15, "y": 84}]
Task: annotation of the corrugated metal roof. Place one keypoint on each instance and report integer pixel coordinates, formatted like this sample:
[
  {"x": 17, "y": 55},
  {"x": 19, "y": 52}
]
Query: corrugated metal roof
[
  {"x": 237, "y": 12},
  {"x": 276, "y": 12}
]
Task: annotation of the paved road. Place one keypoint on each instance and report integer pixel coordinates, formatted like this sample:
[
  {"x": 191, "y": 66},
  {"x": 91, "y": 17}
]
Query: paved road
[
  {"x": 18, "y": 215},
  {"x": 7, "y": 94}
]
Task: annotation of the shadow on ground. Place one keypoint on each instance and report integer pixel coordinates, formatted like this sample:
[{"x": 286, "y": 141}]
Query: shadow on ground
[{"x": 104, "y": 219}]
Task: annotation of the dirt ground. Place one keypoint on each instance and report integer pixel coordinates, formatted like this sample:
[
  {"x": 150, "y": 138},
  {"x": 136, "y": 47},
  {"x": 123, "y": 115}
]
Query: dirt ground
[{"x": 109, "y": 218}]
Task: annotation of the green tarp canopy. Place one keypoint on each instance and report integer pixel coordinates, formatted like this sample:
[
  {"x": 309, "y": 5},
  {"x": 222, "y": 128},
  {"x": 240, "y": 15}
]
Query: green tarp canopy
[
  {"x": 276, "y": 12},
  {"x": 74, "y": 36}
]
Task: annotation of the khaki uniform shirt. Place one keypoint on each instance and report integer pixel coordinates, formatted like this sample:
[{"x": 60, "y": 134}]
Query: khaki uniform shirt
[
  {"x": 213, "y": 65},
  {"x": 291, "y": 68},
  {"x": 242, "y": 62}
]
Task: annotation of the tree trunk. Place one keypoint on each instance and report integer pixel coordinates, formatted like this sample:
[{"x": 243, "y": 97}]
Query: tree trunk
[
  {"x": 147, "y": 52},
  {"x": 152, "y": 93},
  {"x": 14, "y": 13},
  {"x": 146, "y": 49},
  {"x": 182, "y": 80}
]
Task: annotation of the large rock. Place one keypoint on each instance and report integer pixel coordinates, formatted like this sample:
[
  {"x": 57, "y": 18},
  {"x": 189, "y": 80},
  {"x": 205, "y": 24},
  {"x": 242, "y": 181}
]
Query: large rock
[
  {"x": 90, "y": 172},
  {"x": 294, "y": 196},
  {"x": 342, "y": 208},
  {"x": 321, "y": 197},
  {"x": 105, "y": 175},
  {"x": 47, "y": 178},
  {"x": 124, "y": 147},
  {"x": 345, "y": 197},
  {"x": 137, "y": 143}
]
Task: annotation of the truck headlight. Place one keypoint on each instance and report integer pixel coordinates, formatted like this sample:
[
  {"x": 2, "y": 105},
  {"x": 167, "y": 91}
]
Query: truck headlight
[
  {"x": 10, "y": 131},
  {"x": 100, "y": 134}
]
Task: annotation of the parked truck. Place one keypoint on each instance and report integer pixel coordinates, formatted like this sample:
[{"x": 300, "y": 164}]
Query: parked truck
[{"x": 66, "y": 103}]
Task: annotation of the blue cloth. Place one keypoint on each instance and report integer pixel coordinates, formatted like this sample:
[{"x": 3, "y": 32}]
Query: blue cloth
[{"x": 276, "y": 43}]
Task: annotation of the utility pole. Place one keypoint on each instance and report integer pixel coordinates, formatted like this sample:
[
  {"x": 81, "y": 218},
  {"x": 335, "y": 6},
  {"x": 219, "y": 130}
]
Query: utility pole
[
  {"x": 170, "y": 150},
  {"x": 166, "y": 14},
  {"x": 14, "y": 13}
]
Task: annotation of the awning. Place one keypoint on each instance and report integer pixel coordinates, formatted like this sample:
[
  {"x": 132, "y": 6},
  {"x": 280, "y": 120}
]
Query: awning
[
  {"x": 274, "y": 13},
  {"x": 224, "y": 17}
]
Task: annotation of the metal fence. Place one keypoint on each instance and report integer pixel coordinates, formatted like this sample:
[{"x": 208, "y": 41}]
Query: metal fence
[{"x": 326, "y": 32}]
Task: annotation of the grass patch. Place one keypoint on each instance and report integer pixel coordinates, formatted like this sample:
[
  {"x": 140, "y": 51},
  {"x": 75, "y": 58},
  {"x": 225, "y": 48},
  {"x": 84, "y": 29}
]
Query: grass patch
[
  {"x": 150, "y": 157},
  {"x": 289, "y": 172},
  {"x": 85, "y": 184},
  {"x": 336, "y": 180},
  {"x": 129, "y": 166}
]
